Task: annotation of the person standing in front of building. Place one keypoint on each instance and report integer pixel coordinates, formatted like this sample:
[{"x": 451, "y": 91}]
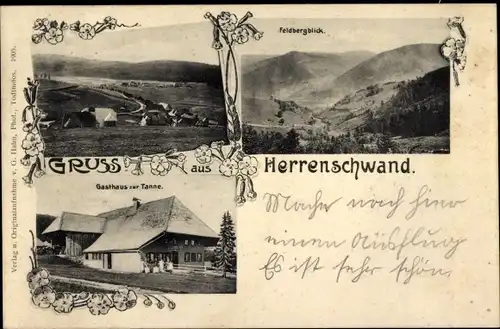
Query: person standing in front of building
[{"x": 161, "y": 265}]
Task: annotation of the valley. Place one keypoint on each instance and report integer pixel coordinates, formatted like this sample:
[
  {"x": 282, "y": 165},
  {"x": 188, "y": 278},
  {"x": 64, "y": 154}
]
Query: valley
[{"x": 395, "y": 98}]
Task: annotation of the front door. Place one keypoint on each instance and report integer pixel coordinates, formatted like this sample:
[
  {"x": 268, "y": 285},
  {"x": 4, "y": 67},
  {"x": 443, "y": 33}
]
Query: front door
[
  {"x": 108, "y": 256},
  {"x": 175, "y": 257}
]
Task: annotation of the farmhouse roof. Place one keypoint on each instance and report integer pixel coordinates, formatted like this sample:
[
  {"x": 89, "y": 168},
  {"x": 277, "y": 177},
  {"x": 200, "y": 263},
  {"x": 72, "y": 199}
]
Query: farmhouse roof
[
  {"x": 72, "y": 222},
  {"x": 129, "y": 228},
  {"x": 103, "y": 114}
]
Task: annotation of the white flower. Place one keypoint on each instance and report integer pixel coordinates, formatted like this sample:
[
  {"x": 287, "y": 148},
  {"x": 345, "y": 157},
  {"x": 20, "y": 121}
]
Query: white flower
[
  {"x": 203, "y": 154},
  {"x": 240, "y": 35},
  {"x": 86, "y": 31},
  {"x": 160, "y": 165},
  {"x": 32, "y": 144},
  {"x": 229, "y": 167},
  {"x": 38, "y": 24},
  {"x": 248, "y": 165},
  {"x": 54, "y": 35},
  {"x": 227, "y": 21},
  {"x": 449, "y": 48},
  {"x": 111, "y": 22}
]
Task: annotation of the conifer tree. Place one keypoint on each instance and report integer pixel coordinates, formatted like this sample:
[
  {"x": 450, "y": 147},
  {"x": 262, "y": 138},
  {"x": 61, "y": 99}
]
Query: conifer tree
[{"x": 225, "y": 255}]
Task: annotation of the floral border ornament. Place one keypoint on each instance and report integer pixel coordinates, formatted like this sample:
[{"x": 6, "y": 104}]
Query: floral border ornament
[
  {"x": 43, "y": 295},
  {"x": 233, "y": 163},
  {"x": 53, "y": 32},
  {"x": 160, "y": 164},
  {"x": 453, "y": 49},
  {"x": 228, "y": 32},
  {"x": 32, "y": 144}
]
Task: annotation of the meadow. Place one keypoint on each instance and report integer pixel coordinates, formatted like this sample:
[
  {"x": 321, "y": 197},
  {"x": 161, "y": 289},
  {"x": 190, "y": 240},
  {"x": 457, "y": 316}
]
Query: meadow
[
  {"x": 169, "y": 283},
  {"x": 127, "y": 140}
]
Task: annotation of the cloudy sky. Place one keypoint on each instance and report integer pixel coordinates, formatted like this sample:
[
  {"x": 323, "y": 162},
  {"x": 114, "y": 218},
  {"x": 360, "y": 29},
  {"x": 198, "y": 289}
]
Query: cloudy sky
[
  {"x": 192, "y": 42},
  {"x": 208, "y": 196}
]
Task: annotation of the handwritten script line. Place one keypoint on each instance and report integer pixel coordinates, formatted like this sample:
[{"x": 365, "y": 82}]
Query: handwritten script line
[{"x": 277, "y": 201}]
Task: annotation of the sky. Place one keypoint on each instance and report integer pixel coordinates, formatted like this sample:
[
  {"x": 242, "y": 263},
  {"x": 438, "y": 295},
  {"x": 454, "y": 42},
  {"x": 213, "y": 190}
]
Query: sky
[
  {"x": 208, "y": 196},
  {"x": 192, "y": 42}
]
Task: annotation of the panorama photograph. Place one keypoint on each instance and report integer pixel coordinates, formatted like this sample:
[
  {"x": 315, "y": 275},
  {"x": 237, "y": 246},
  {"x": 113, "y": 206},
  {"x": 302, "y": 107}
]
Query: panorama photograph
[
  {"x": 177, "y": 239},
  {"x": 130, "y": 91},
  {"x": 362, "y": 87}
]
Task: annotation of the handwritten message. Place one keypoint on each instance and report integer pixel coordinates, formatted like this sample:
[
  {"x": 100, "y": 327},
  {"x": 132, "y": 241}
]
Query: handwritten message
[{"x": 353, "y": 258}]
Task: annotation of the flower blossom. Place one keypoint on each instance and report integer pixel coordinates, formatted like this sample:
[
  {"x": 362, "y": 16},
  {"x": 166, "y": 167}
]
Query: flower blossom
[
  {"x": 37, "y": 38},
  {"x": 111, "y": 22},
  {"x": 43, "y": 296},
  {"x": 99, "y": 303},
  {"x": 54, "y": 35},
  {"x": 63, "y": 302},
  {"x": 248, "y": 165},
  {"x": 203, "y": 154},
  {"x": 38, "y": 24},
  {"x": 240, "y": 35},
  {"x": 86, "y": 31},
  {"x": 124, "y": 299},
  {"x": 39, "y": 277},
  {"x": 160, "y": 165},
  {"x": 227, "y": 21},
  {"x": 229, "y": 167},
  {"x": 32, "y": 144}
]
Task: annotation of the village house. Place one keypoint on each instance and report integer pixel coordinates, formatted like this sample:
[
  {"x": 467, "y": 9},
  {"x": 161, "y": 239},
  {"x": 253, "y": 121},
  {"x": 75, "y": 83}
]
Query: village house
[{"x": 124, "y": 239}]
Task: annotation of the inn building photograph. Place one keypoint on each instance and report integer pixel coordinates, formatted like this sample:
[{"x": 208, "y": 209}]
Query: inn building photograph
[
  {"x": 153, "y": 243},
  {"x": 124, "y": 239}
]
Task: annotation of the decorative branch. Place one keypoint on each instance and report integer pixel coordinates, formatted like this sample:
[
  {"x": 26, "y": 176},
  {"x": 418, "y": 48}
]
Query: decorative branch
[
  {"x": 53, "y": 32},
  {"x": 233, "y": 164},
  {"x": 227, "y": 32},
  {"x": 160, "y": 165},
  {"x": 32, "y": 144},
  {"x": 453, "y": 49}
]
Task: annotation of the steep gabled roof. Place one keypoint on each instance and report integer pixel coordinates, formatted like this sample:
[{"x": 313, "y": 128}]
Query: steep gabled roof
[
  {"x": 101, "y": 113},
  {"x": 72, "y": 222},
  {"x": 129, "y": 228}
]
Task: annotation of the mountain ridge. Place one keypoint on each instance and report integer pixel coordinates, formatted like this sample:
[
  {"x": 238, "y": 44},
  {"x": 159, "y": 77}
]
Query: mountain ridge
[
  {"x": 159, "y": 70},
  {"x": 402, "y": 63},
  {"x": 283, "y": 73}
]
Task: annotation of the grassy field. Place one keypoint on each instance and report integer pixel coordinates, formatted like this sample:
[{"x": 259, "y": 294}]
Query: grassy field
[
  {"x": 170, "y": 283},
  {"x": 127, "y": 140},
  {"x": 60, "y": 286},
  {"x": 72, "y": 94},
  {"x": 57, "y": 97}
]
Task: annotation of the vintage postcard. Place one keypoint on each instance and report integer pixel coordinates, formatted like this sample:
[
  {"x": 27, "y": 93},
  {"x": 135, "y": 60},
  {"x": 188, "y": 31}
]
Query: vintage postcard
[{"x": 250, "y": 166}]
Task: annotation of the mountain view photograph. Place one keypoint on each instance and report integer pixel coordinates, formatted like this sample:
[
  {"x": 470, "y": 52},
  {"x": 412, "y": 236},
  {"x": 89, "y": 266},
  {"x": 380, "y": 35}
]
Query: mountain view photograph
[
  {"x": 107, "y": 97},
  {"x": 352, "y": 101}
]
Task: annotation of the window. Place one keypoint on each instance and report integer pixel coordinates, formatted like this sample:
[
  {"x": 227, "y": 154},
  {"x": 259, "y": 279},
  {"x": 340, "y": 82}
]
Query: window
[
  {"x": 87, "y": 256},
  {"x": 199, "y": 257},
  {"x": 151, "y": 256},
  {"x": 192, "y": 242},
  {"x": 186, "y": 242},
  {"x": 193, "y": 257},
  {"x": 186, "y": 257},
  {"x": 100, "y": 256}
]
